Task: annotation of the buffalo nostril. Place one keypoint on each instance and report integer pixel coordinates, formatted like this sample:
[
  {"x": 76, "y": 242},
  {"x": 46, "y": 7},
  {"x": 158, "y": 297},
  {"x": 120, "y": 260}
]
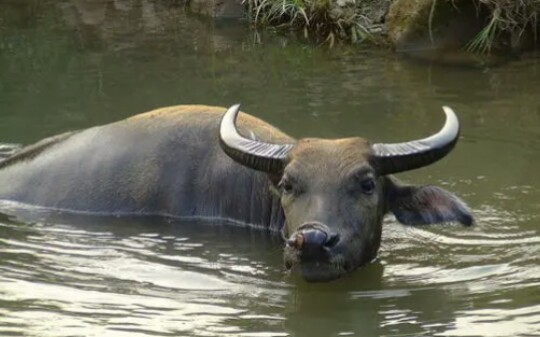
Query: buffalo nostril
[
  {"x": 296, "y": 242},
  {"x": 313, "y": 238},
  {"x": 332, "y": 240}
]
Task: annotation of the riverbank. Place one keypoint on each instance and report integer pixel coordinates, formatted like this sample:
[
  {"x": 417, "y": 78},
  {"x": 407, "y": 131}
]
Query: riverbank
[{"x": 478, "y": 26}]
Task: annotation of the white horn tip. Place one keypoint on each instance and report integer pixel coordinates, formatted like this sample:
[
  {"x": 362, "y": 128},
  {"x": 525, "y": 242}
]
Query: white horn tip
[
  {"x": 234, "y": 108},
  {"x": 448, "y": 111}
]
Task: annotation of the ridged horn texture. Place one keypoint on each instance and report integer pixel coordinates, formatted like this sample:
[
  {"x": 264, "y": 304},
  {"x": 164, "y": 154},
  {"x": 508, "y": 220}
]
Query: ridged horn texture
[
  {"x": 399, "y": 157},
  {"x": 251, "y": 153}
]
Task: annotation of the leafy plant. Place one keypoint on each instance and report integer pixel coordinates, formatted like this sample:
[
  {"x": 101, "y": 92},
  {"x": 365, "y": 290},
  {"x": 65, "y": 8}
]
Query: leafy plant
[
  {"x": 312, "y": 17},
  {"x": 483, "y": 41},
  {"x": 512, "y": 17}
]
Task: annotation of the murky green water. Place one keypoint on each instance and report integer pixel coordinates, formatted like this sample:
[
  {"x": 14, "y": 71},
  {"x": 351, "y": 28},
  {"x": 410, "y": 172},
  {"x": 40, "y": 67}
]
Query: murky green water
[{"x": 77, "y": 63}]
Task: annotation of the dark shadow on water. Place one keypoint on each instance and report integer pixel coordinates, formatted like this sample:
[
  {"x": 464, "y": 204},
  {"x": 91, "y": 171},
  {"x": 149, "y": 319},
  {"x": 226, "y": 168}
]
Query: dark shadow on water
[
  {"x": 364, "y": 305},
  {"x": 457, "y": 59}
]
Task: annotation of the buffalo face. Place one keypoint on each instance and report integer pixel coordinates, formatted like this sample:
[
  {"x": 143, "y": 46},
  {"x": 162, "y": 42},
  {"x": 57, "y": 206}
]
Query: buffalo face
[
  {"x": 335, "y": 193},
  {"x": 333, "y": 205}
]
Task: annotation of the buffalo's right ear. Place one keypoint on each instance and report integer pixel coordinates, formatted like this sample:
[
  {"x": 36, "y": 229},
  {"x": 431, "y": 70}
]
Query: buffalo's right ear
[{"x": 423, "y": 205}]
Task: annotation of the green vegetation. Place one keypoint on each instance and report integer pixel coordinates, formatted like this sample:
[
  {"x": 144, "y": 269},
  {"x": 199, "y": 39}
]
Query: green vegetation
[
  {"x": 330, "y": 20},
  {"x": 509, "y": 21}
]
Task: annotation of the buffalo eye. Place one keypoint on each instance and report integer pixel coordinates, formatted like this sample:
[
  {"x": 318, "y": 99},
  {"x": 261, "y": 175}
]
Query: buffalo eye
[
  {"x": 367, "y": 185},
  {"x": 286, "y": 187}
]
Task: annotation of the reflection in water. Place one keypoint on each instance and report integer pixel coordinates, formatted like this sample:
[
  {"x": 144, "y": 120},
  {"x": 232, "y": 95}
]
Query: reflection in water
[
  {"x": 7, "y": 150},
  {"x": 73, "y": 64},
  {"x": 150, "y": 277},
  {"x": 153, "y": 276}
]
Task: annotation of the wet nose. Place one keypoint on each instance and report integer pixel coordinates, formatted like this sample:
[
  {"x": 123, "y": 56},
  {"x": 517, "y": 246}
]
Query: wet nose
[{"x": 313, "y": 241}]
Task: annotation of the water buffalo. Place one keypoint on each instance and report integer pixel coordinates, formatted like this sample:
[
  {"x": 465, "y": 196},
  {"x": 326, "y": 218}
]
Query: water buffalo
[{"x": 326, "y": 197}]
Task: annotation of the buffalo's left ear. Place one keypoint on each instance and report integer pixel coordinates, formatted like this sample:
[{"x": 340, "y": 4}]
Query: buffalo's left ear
[{"x": 422, "y": 205}]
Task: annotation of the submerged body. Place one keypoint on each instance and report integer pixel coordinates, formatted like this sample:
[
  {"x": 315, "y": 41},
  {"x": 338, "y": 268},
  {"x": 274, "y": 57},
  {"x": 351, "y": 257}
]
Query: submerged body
[
  {"x": 165, "y": 162},
  {"x": 326, "y": 197}
]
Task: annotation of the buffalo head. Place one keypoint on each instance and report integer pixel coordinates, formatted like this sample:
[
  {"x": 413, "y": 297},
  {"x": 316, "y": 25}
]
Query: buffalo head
[{"x": 335, "y": 193}]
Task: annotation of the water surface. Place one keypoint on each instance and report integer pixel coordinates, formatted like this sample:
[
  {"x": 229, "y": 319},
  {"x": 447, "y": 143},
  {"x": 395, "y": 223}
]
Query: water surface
[{"x": 73, "y": 64}]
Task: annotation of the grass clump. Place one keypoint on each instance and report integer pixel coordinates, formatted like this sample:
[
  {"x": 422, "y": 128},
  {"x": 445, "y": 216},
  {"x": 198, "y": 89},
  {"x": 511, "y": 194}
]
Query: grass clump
[
  {"x": 327, "y": 20},
  {"x": 509, "y": 22}
]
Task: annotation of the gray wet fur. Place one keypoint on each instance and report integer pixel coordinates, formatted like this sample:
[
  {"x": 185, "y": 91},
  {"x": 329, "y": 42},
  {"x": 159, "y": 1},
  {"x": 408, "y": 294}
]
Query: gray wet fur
[{"x": 166, "y": 162}]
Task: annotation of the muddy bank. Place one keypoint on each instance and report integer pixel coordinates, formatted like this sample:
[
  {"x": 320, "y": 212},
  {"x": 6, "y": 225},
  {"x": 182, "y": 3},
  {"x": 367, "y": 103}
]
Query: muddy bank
[
  {"x": 478, "y": 26},
  {"x": 434, "y": 29}
]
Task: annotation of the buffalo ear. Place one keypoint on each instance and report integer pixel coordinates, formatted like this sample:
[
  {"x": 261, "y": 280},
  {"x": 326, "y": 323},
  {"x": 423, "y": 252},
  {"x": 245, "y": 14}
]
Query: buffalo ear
[{"x": 423, "y": 205}]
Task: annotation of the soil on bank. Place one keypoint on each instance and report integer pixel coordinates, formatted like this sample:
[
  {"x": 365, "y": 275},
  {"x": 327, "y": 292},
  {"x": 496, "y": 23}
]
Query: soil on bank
[{"x": 477, "y": 26}]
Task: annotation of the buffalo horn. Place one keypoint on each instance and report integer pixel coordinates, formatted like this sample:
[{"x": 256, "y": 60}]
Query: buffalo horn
[
  {"x": 399, "y": 157},
  {"x": 251, "y": 153}
]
